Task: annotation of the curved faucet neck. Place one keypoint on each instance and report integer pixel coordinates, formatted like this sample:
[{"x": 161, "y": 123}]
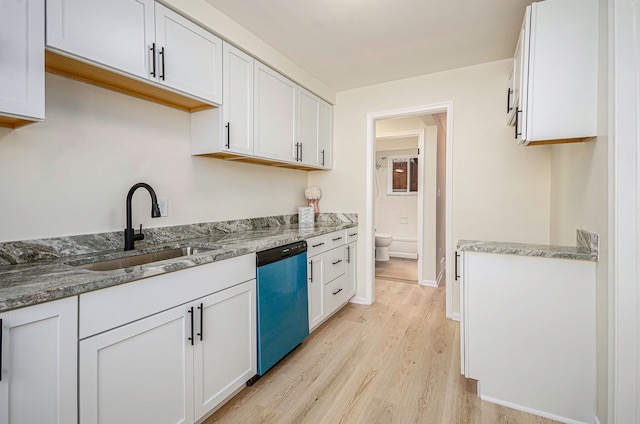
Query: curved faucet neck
[{"x": 154, "y": 202}]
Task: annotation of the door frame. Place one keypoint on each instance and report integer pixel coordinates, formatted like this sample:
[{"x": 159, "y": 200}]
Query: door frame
[
  {"x": 420, "y": 135},
  {"x": 624, "y": 212},
  {"x": 372, "y": 117}
]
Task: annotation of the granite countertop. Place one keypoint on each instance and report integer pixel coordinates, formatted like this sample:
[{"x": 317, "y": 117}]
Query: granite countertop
[
  {"x": 586, "y": 249},
  {"x": 38, "y": 271}
]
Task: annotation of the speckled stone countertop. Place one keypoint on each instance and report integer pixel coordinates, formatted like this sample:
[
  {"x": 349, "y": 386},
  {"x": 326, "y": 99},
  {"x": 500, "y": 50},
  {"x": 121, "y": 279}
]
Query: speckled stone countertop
[
  {"x": 37, "y": 271},
  {"x": 586, "y": 249}
]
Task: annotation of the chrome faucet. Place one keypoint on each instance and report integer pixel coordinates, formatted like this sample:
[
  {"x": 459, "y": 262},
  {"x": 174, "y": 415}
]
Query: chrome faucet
[{"x": 129, "y": 235}]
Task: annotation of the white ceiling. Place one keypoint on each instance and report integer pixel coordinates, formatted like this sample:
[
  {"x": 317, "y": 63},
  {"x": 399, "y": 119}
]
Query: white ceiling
[{"x": 354, "y": 43}]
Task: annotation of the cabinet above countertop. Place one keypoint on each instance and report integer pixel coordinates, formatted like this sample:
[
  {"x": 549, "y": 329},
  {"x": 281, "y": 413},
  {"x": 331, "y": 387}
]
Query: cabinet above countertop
[{"x": 47, "y": 269}]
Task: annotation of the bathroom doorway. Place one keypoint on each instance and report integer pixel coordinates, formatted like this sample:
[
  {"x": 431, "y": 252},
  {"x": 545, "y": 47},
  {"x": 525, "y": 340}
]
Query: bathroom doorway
[
  {"x": 436, "y": 255},
  {"x": 399, "y": 197}
]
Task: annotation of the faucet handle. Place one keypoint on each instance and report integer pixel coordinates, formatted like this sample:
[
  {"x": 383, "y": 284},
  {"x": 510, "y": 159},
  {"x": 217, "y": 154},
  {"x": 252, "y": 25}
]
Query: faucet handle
[{"x": 140, "y": 228}]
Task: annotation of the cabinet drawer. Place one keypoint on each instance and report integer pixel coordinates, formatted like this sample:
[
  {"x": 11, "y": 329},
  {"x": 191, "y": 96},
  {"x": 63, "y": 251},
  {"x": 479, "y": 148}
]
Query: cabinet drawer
[
  {"x": 333, "y": 264},
  {"x": 352, "y": 234},
  {"x": 325, "y": 242},
  {"x": 335, "y": 294}
]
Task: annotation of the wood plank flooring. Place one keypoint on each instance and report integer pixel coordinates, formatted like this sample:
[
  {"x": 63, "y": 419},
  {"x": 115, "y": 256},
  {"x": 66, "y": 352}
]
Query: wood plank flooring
[
  {"x": 397, "y": 361},
  {"x": 398, "y": 269}
]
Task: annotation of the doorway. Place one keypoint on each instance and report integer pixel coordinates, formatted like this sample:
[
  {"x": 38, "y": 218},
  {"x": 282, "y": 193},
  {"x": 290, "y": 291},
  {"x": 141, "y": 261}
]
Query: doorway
[{"x": 442, "y": 113}]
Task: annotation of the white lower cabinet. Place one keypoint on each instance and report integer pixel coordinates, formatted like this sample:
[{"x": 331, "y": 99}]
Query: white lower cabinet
[
  {"x": 172, "y": 367},
  {"x": 38, "y": 363},
  {"x": 139, "y": 373},
  {"x": 144, "y": 360},
  {"x": 328, "y": 270},
  {"x": 528, "y": 333},
  {"x": 351, "y": 255}
]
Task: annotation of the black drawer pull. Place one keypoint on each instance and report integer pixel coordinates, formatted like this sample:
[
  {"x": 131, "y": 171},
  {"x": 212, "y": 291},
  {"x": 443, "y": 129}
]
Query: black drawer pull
[
  {"x": 201, "y": 307},
  {"x": 336, "y": 262},
  {"x": 353, "y": 234},
  {"x": 337, "y": 291},
  {"x": 337, "y": 238},
  {"x": 316, "y": 245},
  {"x": 191, "y": 318},
  {"x": 455, "y": 271}
]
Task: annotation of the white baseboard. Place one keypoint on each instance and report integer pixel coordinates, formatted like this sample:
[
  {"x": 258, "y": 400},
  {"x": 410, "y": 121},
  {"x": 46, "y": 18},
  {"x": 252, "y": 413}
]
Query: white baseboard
[
  {"x": 532, "y": 411},
  {"x": 403, "y": 255},
  {"x": 455, "y": 317},
  {"x": 358, "y": 300},
  {"x": 429, "y": 283}
]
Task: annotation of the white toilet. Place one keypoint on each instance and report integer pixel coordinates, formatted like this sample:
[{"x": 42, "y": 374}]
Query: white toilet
[{"x": 383, "y": 241}]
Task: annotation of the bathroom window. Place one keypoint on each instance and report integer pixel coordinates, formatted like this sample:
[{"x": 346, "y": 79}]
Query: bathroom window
[{"x": 403, "y": 176}]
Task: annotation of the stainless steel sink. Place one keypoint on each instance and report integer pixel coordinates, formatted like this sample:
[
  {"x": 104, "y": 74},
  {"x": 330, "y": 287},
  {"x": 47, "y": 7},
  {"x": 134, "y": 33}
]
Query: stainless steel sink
[{"x": 146, "y": 258}]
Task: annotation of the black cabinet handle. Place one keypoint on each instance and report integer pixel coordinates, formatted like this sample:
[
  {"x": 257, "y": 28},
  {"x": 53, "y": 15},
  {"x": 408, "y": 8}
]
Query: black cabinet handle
[
  {"x": 337, "y": 291},
  {"x": 316, "y": 245},
  {"x": 348, "y": 254},
  {"x": 191, "y": 318},
  {"x": 509, "y": 93},
  {"x": 322, "y": 157},
  {"x": 336, "y": 262},
  {"x": 300, "y": 152},
  {"x": 0, "y": 349},
  {"x": 337, "y": 238},
  {"x": 456, "y": 268},
  {"x": 518, "y": 111},
  {"x": 161, "y": 54},
  {"x": 201, "y": 307},
  {"x": 228, "y": 134},
  {"x": 153, "y": 59},
  {"x": 311, "y": 271},
  {"x": 353, "y": 234}
]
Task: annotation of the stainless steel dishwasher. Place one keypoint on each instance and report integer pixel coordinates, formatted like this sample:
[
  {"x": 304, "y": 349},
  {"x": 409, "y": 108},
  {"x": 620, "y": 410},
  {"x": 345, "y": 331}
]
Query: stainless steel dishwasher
[{"x": 283, "y": 311}]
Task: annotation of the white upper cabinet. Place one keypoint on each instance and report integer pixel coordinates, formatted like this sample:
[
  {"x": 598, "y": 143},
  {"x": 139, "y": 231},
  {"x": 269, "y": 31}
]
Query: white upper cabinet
[
  {"x": 21, "y": 62},
  {"x": 556, "y": 98},
  {"x": 237, "y": 103},
  {"x": 118, "y": 33},
  {"x": 326, "y": 135},
  {"x": 189, "y": 58},
  {"x": 274, "y": 115},
  {"x": 136, "y": 38},
  {"x": 308, "y": 128}
]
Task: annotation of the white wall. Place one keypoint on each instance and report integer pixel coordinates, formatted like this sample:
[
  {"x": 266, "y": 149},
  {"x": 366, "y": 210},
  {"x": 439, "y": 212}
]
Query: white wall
[
  {"x": 500, "y": 190},
  {"x": 396, "y": 215},
  {"x": 71, "y": 173}
]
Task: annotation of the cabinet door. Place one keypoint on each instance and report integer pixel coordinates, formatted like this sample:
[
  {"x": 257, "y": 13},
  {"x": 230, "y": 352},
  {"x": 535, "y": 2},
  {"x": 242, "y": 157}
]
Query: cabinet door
[
  {"x": 115, "y": 33},
  {"x": 22, "y": 63},
  {"x": 520, "y": 79},
  {"x": 308, "y": 128},
  {"x": 274, "y": 115},
  {"x": 225, "y": 347},
  {"x": 315, "y": 287},
  {"x": 39, "y": 363},
  {"x": 189, "y": 57},
  {"x": 139, "y": 373},
  {"x": 351, "y": 255},
  {"x": 237, "y": 106},
  {"x": 326, "y": 135}
]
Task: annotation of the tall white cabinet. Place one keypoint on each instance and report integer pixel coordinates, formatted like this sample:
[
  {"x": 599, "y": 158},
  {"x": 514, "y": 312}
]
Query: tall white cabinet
[
  {"x": 38, "y": 363},
  {"x": 237, "y": 108},
  {"x": 22, "y": 63}
]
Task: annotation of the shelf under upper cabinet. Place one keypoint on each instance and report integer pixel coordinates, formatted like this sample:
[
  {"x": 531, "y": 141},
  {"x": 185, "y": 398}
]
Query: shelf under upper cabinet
[{"x": 66, "y": 66}]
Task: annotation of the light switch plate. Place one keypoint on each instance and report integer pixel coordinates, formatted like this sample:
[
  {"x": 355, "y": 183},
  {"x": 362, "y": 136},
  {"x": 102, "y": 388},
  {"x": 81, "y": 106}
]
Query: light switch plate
[{"x": 163, "y": 204}]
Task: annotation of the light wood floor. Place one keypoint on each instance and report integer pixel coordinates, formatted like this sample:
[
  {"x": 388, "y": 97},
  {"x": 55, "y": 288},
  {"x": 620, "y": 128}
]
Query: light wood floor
[
  {"x": 396, "y": 361},
  {"x": 398, "y": 269}
]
